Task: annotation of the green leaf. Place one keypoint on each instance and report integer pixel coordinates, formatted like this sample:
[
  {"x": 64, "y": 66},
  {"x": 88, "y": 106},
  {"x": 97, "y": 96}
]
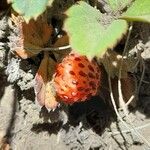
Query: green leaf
[
  {"x": 30, "y": 8},
  {"x": 139, "y": 11},
  {"x": 86, "y": 33},
  {"x": 117, "y": 4}
]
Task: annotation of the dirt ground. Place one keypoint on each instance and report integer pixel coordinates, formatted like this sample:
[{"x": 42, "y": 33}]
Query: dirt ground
[{"x": 91, "y": 125}]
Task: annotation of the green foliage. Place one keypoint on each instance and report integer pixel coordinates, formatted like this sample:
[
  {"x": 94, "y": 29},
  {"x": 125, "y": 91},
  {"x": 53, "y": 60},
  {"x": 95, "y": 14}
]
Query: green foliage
[
  {"x": 87, "y": 34},
  {"x": 117, "y": 4},
  {"x": 30, "y": 8},
  {"x": 90, "y": 33},
  {"x": 139, "y": 11}
]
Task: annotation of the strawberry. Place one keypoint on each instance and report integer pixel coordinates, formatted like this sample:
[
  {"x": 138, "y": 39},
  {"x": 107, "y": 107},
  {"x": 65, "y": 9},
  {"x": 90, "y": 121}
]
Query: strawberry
[{"x": 76, "y": 78}]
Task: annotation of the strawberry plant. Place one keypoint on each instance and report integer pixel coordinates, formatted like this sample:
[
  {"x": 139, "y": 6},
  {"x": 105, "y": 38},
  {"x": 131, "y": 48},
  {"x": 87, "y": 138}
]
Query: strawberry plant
[
  {"x": 90, "y": 33},
  {"x": 30, "y": 9}
]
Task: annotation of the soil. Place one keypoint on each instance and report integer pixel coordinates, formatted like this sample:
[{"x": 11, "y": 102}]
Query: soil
[{"x": 91, "y": 125}]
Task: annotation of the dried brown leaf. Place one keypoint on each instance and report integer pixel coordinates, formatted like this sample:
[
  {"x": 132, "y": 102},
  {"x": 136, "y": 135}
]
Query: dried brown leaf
[
  {"x": 128, "y": 88},
  {"x": 3, "y": 144},
  {"x": 5, "y": 147},
  {"x": 112, "y": 62},
  {"x": 32, "y": 36},
  {"x": 62, "y": 41},
  {"x": 44, "y": 91},
  {"x": 50, "y": 98}
]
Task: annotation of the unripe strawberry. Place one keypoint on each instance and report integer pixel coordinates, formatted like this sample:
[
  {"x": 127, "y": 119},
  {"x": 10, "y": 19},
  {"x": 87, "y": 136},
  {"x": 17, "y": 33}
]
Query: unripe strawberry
[{"x": 76, "y": 78}]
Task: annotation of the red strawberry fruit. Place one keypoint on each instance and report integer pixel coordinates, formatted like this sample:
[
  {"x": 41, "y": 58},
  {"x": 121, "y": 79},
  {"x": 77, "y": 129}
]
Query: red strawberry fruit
[{"x": 76, "y": 78}]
